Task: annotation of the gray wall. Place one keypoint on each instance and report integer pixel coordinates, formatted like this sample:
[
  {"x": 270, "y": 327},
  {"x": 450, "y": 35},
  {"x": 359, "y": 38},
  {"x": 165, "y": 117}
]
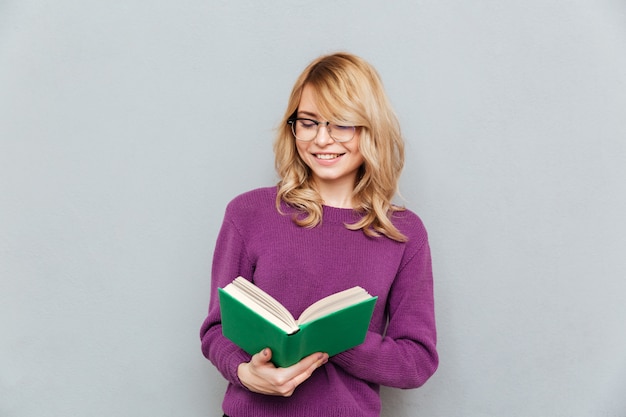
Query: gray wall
[{"x": 125, "y": 128}]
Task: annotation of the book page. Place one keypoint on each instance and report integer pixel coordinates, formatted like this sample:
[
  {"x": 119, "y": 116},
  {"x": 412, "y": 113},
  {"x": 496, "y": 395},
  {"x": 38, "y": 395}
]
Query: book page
[
  {"x": 262, "y": 303},
  {"x": 332, "y": 303},
  {"x": 264, "y": 299}
]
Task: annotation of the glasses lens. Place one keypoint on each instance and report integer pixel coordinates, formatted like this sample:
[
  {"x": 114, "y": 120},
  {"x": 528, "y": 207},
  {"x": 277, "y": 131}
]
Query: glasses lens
[
  {"x": 341, "y": 133},
  {"x": 304, "y": 129}
]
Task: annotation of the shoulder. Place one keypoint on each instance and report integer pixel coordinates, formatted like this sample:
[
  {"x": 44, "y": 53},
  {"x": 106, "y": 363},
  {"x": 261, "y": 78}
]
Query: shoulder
[
  {"x": 252, "y": 203},
  {"x": 410, "y": 225}
]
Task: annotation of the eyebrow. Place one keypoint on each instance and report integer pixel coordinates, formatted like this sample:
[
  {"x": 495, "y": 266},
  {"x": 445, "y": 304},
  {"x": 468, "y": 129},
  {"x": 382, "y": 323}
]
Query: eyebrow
[{"x": 307, "y": 113}]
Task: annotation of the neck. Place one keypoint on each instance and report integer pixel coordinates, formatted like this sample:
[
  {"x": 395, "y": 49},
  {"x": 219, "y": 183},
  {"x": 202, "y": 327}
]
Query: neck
[{"x": 335, "y": 194}]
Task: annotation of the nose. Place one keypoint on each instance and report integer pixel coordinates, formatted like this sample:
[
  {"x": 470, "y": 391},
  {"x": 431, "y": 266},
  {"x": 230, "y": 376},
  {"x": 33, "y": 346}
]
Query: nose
[{"x": 322, "y": 138}]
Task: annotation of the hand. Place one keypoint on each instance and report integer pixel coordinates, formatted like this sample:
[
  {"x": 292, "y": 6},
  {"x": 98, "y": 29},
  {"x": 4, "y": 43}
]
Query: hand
[{"x": 261, "y": 376}]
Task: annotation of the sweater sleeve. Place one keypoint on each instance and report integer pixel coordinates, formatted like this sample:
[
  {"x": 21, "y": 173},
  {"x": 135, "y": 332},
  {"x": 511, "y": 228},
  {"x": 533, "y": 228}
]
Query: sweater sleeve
[
  {"x": 405, "y": 356},
  {"x": 230, "y": 260}
]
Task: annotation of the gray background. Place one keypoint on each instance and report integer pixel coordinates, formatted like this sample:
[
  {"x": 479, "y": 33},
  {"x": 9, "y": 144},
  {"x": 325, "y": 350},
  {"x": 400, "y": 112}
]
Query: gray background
[{"x": 126, "y": 127}]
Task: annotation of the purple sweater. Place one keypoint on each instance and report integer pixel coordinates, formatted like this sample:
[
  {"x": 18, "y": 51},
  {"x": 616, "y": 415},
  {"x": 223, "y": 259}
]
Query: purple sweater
[{"x": 300, "y": 265}]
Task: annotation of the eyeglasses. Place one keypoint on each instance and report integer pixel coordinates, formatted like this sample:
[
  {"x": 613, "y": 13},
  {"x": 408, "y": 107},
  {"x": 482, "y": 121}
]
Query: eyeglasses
[{"x": 306, "y": 130}]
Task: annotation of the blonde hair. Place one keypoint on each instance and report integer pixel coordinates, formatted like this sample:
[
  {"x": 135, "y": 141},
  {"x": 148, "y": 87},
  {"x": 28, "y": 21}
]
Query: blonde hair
[{"x": 348, "y": 89}]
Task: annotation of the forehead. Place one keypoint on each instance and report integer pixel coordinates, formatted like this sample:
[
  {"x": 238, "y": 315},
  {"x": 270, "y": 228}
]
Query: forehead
[
  {"x": 308, "y": 101},
  {"x": 320, "y": 107}
]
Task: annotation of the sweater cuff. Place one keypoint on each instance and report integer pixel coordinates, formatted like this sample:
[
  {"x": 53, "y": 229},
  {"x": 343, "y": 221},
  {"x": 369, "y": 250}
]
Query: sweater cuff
[{"x": 237, "y": 358}]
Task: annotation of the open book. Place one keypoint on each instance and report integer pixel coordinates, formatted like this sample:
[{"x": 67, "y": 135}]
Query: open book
[{"x": 254, "y": 320}]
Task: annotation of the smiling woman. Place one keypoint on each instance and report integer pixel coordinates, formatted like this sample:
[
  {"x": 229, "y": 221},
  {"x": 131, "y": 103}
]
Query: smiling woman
[
  {"x": 327, "y": 226},
  {"x": 347, "y": 91},
  {"x": 333, "y": 165}
]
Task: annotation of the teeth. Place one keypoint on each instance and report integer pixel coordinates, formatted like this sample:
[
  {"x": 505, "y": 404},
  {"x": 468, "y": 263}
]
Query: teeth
[{"x": 327, "y": 156}]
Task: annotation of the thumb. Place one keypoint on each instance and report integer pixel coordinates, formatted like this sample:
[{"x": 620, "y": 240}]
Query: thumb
[{"x": 262, "y": 357}]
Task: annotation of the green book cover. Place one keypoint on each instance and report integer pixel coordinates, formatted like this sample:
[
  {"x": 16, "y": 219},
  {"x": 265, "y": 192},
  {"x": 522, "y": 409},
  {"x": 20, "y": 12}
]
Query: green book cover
[{"x": 331, "y": 333}]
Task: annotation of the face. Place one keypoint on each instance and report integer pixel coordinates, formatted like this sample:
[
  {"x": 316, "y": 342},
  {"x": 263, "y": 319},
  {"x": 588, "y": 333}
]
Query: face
[{"x": 331, "y": 163}]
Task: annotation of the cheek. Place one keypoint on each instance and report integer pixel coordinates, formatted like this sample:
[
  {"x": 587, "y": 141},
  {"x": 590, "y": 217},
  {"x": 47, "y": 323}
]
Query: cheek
[
  {"x": 355, "y": 148},
  {"x": 359, "y": 160},
  {"x": 301, "y": 149}
]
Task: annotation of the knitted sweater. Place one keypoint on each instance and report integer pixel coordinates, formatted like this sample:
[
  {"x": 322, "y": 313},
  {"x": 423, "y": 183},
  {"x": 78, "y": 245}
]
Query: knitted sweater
[{"x": 298, "y": 266}]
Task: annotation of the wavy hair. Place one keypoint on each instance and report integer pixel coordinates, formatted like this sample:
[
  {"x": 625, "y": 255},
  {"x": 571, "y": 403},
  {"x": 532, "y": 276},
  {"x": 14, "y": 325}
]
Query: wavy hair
[{"x": 348, "y": 89}]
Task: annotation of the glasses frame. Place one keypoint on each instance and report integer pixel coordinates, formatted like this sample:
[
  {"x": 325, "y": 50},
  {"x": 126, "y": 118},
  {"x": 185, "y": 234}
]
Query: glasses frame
[{"x": 292, "y": 121}]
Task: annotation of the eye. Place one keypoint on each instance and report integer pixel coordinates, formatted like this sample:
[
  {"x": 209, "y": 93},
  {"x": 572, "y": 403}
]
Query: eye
[
  {"x": 306, "y": 123},
  {"x": 342, "y": 128}
]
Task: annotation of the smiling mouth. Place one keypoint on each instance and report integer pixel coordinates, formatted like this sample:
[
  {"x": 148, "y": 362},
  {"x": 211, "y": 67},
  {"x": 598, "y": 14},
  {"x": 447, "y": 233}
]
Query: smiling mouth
[{"x": 328, "y": 156}]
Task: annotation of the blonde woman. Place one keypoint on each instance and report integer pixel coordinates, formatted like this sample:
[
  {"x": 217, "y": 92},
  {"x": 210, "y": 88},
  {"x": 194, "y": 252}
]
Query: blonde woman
[{"x": 328, "y": 225}]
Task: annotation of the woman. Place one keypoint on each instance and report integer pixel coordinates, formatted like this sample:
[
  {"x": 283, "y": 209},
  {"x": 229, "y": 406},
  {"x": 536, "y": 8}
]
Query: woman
[{"x": 329, "y": 225}]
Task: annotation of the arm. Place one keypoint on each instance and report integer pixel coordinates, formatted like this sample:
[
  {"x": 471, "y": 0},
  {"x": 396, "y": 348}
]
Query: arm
[
  {"x": 230, "y": 260},
  {"x": 255, "y": 373},
  {"x": 406, "y": 356}
]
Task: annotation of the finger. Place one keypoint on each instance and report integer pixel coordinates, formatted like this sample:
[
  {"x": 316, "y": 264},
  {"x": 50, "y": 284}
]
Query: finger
[
  {"x": 287, "y": 379},
  {"x": 318, "y": 361},
  {"x": 262, "y": 357},
  {"x": 311, "y": 360},
  {"x": 298, "y": 368}
]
